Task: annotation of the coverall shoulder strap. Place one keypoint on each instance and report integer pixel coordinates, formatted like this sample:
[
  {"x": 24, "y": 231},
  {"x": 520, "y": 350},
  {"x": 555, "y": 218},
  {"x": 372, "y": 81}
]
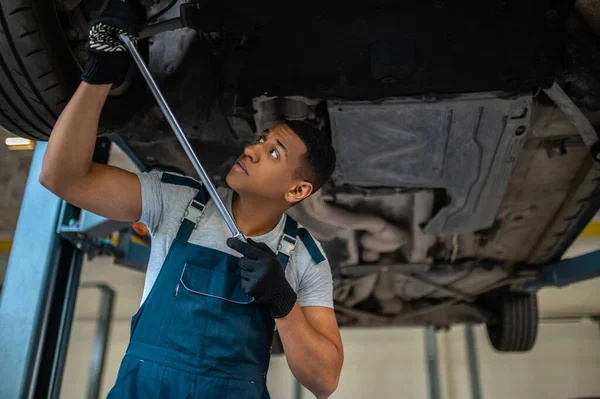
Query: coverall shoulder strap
[
  {"x": 311, "y": 246},
  {"x": 287, "y": 242},
  {"x": 195, "y": 209},
  {"x": 291, "y": 234},
  {"x": 179, "y": 180}
]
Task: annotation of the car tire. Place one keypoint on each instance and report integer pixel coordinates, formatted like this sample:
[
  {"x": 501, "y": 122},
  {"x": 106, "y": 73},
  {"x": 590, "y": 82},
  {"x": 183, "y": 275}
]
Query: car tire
[
  {"x": 38, "y": 72},
  {"x": 516, "y": 325}
]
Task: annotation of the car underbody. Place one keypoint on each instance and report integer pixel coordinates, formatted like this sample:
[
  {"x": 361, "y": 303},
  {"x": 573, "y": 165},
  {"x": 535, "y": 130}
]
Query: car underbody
[{"x": 457, "y": 176}]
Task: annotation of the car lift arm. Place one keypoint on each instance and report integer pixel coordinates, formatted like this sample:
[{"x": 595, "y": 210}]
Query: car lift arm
[{"x": 567, "y": 271}]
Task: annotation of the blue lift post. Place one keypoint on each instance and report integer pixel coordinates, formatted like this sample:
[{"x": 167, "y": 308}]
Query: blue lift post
[
  {"x": 32, "y": 290},
  {"x": 41, "y": 283},
  {"x": 433, "y": 370},
  {"x": 473, "y": 363},
  {"x": 102, "y": 337}
]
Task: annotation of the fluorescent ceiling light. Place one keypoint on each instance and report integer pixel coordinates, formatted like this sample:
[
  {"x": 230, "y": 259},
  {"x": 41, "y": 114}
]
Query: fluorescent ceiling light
[
  {"x": 19, "y": 143},
  {"x": 16, "y": 141}
]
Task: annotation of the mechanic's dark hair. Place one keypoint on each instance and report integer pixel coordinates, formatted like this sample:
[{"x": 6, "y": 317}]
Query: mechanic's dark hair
[{"x": 319, "y": 161}]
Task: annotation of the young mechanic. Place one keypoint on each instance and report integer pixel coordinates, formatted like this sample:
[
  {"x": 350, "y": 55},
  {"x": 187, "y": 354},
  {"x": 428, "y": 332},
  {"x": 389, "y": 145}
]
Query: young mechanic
[{"x": 206, "y": 323}]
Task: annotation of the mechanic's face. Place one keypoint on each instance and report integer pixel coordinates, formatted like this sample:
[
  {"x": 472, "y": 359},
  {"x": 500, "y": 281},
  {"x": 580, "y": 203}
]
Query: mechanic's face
[{"x": 268, "y": 167}]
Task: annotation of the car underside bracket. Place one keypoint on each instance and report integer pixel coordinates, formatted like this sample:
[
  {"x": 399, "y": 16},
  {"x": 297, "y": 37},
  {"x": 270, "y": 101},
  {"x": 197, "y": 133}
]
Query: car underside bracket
[
  {"x": 567, "y": 271},
  {"x": 578, "y": 119}
]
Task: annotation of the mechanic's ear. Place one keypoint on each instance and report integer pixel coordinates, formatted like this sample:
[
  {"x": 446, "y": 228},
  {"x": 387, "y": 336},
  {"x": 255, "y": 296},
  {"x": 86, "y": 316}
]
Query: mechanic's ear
[{"x": 298, "y": 192}]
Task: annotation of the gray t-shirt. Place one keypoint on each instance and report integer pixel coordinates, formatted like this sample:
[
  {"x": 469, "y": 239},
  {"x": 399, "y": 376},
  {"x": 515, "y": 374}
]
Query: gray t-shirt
[{"x": 163, "y": 206}]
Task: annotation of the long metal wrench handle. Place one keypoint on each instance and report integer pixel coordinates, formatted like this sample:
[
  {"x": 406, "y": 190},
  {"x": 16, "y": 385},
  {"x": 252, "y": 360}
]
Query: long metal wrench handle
[{"x": 181, "y": 137}]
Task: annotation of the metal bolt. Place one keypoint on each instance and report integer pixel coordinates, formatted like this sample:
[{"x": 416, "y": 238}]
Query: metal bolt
[{"x": 170, "y": 69}]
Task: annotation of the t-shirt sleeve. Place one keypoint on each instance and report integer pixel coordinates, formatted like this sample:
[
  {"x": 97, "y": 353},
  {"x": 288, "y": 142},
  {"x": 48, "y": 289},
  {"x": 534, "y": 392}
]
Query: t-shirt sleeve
[
  {"x": 152, "y": 199},
  {"x": 316, "y": 286}
]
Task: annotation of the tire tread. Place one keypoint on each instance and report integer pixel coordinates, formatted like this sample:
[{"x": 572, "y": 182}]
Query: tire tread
[
  {"x": 517, "y": 323},
  {"x": 30, "y": 97}
]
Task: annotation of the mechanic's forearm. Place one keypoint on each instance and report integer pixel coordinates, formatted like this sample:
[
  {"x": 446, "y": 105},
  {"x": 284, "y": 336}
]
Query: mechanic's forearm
[
  {"x": 70, "y": 149},
  {"x": 315, "y": 360}
]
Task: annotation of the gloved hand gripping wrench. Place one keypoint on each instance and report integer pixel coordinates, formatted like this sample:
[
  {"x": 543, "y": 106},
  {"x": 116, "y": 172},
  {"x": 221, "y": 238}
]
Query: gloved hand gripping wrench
[{"x": 181, "y": 137}]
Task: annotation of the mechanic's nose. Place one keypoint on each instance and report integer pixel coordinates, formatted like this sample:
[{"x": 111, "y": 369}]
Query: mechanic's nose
[{"x": 252, "y": 152}]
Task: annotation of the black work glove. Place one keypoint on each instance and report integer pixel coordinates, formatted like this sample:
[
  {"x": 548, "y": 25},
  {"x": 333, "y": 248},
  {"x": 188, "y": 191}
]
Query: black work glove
[
  {"x": 263, "y": 277},
  {"x": 108, "y": 58}
]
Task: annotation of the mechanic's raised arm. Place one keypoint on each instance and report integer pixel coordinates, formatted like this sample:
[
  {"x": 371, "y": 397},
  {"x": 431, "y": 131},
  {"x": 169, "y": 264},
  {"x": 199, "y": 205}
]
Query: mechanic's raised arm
[{"x": 68, "y": 169}]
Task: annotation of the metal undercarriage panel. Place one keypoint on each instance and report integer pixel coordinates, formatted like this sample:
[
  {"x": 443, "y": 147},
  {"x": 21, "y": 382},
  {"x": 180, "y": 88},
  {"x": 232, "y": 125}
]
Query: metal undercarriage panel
[
  {"x": 466, "y": 145},
  {"x": 552, "y": 194}
]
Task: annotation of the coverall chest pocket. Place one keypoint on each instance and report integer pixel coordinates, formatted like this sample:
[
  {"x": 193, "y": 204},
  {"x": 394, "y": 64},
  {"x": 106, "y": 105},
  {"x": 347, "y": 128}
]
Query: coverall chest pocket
[{"x": 212, "y": 313}]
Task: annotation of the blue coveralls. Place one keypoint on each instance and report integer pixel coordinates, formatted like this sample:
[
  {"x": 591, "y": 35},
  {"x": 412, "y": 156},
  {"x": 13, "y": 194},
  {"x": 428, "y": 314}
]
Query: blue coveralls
[{"x": 197, "y": 334}]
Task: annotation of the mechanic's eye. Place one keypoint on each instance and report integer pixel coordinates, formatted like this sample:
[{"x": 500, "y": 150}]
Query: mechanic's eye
[
  {"x": 274, "y": 154},
  {"x": 261, "y": 139}
]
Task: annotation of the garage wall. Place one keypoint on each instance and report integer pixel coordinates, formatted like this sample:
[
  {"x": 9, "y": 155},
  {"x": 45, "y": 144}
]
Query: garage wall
[
  {"x": 564, "y": 364},
  {"x": 383, "y": 363},
  {"x": 14, "y": 168},
  {"x": 390, "y": 363},
  {"x": 3, "y": 264}
]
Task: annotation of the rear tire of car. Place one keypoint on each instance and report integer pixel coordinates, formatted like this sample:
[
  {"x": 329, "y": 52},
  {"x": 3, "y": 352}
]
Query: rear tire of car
[
  {"x": 516, "y": 325},
  {"x": 38, "y": 72}
]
